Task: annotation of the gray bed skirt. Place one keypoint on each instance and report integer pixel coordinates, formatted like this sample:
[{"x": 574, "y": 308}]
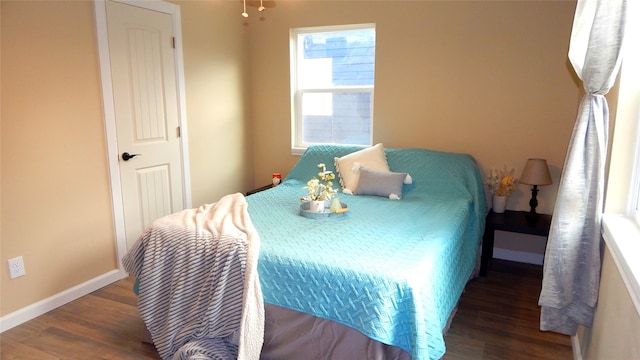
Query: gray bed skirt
[
  {"x": 290, "y": 334},
  {"x": 294, "y": 335}
]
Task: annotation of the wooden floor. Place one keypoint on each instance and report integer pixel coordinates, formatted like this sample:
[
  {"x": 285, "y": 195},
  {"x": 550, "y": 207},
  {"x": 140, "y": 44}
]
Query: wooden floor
[{"x": 497, "y": 318}]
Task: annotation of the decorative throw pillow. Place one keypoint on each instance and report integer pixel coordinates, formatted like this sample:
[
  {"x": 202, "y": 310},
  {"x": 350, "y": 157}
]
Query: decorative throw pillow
[
  {"x": 379, "y": 183},
  {"x": 348, "y": 166}
]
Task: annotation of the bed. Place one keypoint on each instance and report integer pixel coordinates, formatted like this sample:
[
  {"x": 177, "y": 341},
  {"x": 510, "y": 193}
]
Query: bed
[
  {"x": 380, "y": 281},
  {"x": 383, "y": 280}
]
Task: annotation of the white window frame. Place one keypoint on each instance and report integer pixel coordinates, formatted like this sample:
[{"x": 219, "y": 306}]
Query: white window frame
[{"x": 298, "y": 146}]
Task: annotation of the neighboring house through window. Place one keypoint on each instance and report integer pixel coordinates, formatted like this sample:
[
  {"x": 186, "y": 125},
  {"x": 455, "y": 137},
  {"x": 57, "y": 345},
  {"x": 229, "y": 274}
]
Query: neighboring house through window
[{"x": 332, "y": 82}]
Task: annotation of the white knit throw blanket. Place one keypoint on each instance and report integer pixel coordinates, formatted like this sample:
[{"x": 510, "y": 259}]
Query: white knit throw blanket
[{"x": 195, "y": 268}]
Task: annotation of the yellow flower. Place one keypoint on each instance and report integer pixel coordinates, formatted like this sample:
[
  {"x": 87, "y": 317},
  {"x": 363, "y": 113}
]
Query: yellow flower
[
  {"x": 507, "y": 180},
  {"x": 500, "y": 183}
]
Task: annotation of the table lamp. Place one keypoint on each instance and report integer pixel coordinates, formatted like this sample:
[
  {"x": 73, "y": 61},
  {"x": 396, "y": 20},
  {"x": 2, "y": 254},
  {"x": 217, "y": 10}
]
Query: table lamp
[{"x": 536, "y": 173}]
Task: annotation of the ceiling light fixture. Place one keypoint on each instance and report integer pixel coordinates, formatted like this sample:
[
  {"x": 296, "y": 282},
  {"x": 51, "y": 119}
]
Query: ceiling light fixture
[
  {"x": 244, "y": 8},
  {"x": 261, "y": 8}
]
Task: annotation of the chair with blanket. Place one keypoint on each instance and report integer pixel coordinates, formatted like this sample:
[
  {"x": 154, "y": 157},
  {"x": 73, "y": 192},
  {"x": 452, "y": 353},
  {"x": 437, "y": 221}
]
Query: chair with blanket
[{"x": 197, "y": 283}]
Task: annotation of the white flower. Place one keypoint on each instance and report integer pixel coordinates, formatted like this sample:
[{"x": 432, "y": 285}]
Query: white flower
[{"x": 321, "y": 189}]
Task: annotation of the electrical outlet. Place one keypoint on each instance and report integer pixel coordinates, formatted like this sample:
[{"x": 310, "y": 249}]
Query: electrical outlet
[{"x": 16, "y": 267}]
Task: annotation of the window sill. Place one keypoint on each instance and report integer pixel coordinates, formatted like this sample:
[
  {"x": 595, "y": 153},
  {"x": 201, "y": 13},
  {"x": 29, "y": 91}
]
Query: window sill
[
  {"x": 622, "y": 236},
  {"x": 298, "y": 150}
]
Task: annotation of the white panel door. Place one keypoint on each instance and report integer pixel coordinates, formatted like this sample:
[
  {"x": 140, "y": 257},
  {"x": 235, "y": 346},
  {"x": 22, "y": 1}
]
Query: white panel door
[{"x": 141, "y": 52}]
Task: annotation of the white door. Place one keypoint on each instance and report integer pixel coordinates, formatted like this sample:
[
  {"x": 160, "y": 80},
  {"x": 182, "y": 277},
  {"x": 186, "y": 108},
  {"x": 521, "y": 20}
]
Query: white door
[{"x": 145, "y": 98}]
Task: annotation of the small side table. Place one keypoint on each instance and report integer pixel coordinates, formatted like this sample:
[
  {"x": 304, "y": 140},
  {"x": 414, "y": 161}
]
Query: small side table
[
  {"x": 511, "y": 221},
  {"x": 261, "y": 188}
]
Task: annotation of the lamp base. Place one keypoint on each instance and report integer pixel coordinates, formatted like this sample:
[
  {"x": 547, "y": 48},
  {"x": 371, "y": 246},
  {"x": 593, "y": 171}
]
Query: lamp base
[{"x": 532, "y": 217}]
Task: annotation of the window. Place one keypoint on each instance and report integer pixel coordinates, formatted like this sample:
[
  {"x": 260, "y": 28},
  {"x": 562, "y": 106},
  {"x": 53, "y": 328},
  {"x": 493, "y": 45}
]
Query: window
[
  {"x": 629, "y": 113},
  {"x": 332, "y": 76}
]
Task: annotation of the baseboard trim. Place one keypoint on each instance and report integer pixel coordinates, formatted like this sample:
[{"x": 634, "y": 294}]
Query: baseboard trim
[
  {"x": 575, "y": 345},
  {"x": 32, "y": 311},
  {"x": 519, "y": 256}
]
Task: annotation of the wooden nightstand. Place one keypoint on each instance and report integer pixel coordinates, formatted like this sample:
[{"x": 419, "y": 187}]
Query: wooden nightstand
[
  {"x": 261, "y": 188},
  {"x": 511, "y": 221}
]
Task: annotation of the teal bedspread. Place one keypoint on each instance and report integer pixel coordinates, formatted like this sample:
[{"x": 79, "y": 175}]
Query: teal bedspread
[{"x": 392, "y": 269}]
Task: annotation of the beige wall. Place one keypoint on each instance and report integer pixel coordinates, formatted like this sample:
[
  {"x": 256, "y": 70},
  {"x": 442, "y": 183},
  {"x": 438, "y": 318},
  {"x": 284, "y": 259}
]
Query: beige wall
[
  {"x": 616, "y": 323},
  {"x": 489, "y": 78},
  {"x": 56, "y": 209},
  {"x": 215, "y": 65},
  {"x": 56, "y": 204}
]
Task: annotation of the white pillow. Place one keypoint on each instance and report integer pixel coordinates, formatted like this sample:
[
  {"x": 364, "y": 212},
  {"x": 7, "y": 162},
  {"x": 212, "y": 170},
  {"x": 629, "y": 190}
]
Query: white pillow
[{"x": 348, "y": 166}]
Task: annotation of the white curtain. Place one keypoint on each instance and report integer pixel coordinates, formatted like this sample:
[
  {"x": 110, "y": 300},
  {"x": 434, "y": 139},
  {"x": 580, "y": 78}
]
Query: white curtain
[{"x": 573, "y": 256}]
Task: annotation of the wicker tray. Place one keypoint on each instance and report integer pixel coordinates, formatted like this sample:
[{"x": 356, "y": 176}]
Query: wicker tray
[{"x": 326, "y": 215}]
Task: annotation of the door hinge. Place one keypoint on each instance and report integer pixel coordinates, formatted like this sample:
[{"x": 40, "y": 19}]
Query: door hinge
[
  {"x": 173, "y": 42},
  {"x": 178, "y": 131}
]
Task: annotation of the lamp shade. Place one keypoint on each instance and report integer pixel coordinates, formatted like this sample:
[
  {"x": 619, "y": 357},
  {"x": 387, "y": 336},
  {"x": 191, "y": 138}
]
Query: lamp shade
[{"x": 536, "y": 172}]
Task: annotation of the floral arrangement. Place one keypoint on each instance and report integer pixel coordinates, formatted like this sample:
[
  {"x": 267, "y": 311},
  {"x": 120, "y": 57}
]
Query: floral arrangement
[
  {"x": 500, "y": 182},
  {"x": 320, "y": 188}
]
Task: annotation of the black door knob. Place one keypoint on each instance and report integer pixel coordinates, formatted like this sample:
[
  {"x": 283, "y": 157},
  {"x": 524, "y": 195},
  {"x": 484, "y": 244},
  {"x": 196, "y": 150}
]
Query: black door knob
[{"x": 126, "y": 156}]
